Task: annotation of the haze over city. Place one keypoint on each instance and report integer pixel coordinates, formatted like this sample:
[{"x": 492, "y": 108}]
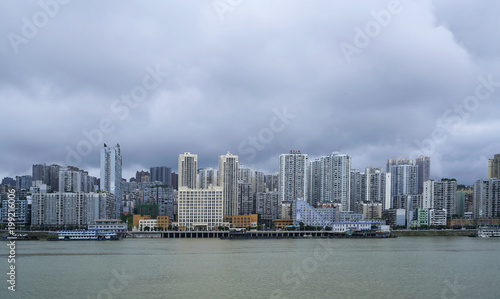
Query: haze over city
[{"x": 379, "y": 80}]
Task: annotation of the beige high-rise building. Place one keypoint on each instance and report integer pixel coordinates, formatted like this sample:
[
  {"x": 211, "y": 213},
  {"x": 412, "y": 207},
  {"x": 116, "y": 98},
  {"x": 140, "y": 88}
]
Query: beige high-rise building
[
  {"x": 494, "y": 167},
  {"x": 228, "y": 180},
  {"x": 188, "y": 165}
]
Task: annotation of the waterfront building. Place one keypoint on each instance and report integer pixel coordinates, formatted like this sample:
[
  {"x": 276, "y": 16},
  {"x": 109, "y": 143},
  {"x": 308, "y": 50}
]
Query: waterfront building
[
  {"x": 421, "y": 217},
  {"x": 137, "y": 217},
  {"x": 282, "y": 223},
  {"x": 228, "y": 180},
  {"x": 20, "y": 211},
  {"x": 71, "y": 209},
  {"x": 437, "y": 217},
  {"x": 242, "y": 221},
  {"x": 292, "y": 182},
  {"x": 188, "y": 165},
  {"x": 111, "y": 174},
  {"x": 147, "y": 224},
  {"x": 200, "y": 209},
  {"x": 108, "y": 225},
  {"x": 162, "y": 222},
  {"x": 309, "y": 215}
]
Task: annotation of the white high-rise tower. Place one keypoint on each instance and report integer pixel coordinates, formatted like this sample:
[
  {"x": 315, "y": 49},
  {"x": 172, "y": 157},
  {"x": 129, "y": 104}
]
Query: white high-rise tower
[{"x": 111, "y": 174}]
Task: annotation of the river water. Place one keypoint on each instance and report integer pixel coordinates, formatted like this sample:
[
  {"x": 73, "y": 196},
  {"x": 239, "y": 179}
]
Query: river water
[{"x": 405, "y": 267}]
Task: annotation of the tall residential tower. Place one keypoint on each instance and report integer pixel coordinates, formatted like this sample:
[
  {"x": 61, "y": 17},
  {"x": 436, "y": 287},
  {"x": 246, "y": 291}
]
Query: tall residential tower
[{"x": 111, "y": 174}]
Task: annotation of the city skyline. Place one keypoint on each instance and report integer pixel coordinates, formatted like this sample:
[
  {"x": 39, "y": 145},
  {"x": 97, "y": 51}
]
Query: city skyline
[
  {"x": 378, "y": 80},
  {"x": 96, "y": 172}
]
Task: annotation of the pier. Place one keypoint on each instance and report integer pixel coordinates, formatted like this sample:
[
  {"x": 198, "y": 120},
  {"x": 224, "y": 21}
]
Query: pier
[{"x": 260, "y": 234}]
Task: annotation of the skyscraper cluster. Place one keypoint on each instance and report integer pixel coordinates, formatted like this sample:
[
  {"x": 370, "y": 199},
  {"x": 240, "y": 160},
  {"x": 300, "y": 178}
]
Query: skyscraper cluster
[{"x": 204, "y": 198}]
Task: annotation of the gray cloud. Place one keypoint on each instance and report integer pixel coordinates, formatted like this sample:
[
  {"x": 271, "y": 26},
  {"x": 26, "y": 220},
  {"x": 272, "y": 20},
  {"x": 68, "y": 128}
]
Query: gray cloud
[{"x": 225, "y": 78}]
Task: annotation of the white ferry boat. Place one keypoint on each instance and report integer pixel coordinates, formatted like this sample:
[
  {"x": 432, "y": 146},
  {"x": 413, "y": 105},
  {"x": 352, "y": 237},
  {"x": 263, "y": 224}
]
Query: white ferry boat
[
  {"x": 67, "y": 235},
  {"x": 486, "y": 232}
]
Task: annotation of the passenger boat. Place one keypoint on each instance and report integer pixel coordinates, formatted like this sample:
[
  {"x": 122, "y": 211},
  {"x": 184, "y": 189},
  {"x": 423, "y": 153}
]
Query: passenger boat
[
  {"x": 69, "y": 235},
  {"x": 486, "y": 232}
]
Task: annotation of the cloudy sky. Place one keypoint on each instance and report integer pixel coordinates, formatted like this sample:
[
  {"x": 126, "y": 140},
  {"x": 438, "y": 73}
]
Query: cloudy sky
[{"x": 372, "y": 79}]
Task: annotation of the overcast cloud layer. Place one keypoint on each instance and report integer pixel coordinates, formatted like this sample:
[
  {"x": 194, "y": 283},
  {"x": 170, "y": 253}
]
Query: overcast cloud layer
[{"x": 256, "y": 78}]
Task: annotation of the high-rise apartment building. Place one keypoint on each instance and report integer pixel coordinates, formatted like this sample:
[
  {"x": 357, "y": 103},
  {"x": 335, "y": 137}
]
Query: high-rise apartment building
[
  {"x": 111, "y": 174},
  {"x": 75, "y": 209},
  {"x": 494, "y": 167},
  {"x": 161, "y": 174},
  {"x": 358, "y": 190},
  {"x": 228, "y": 180},
  {"x": 341, "y": 178},
  {"x": 245, "y": 199},
  {"x": 424, "y": 171},
  {"x": 293, "y": 181},
  {"x": 314, "y": 174},
  {"x": 378, "y": 187},
  {"x": 329, "y": 180},
  {"x": 440, "y": 195},
  {"x": 397, "y": 161},
  {"x": 404, "y": 179},
  {"x": 46, "y": 174},
  {"x": 71, "y": 179},
  {"x": 487, "y": 198},
  {"x": 188, "y": 167},
  {"x": 24, "y": 182}
]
